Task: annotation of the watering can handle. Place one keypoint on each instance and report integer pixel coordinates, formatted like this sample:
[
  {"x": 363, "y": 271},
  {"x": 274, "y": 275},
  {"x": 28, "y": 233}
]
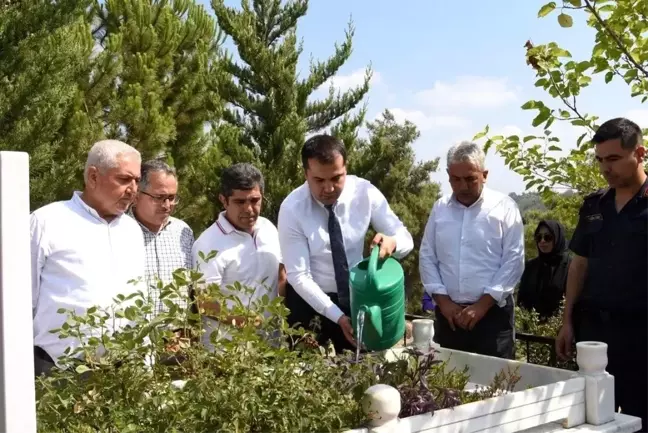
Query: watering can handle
[{"x": 372, "y": 269}]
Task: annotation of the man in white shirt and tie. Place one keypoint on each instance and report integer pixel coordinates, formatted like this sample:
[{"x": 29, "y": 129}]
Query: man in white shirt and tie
[
  {"x": 322, "y": 230},
  {"x": 471, "y": 258},
  {"x": 246, "y": 245},
  {"x": 85, "y": 250}
]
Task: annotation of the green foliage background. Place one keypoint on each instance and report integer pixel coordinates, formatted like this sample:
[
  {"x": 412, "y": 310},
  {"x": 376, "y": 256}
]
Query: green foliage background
[{"x": 155, "y": 74}]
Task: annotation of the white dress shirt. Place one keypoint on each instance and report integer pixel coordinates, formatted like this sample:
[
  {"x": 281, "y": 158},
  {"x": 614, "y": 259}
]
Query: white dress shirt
[
  {"x": 306, "y": 246},
  {"x": 251, "y": 259},
  {"x": 79, "y": 260},
  {"x": 467, "y": 252}
]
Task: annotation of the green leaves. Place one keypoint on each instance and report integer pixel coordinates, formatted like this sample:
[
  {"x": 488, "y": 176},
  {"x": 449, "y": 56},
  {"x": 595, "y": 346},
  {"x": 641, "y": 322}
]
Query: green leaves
[
  {"x": 81, "y": 368},
  {"x": 565, "y": 20},
  {"x": 542, "y": 117},
  {"x": 546, "y": 9},
  {"x": 257, "y": 383}
]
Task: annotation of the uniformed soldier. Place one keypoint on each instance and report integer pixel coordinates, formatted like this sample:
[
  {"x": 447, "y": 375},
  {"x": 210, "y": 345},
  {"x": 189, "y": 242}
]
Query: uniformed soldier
[{"x": 607, "y": 284}]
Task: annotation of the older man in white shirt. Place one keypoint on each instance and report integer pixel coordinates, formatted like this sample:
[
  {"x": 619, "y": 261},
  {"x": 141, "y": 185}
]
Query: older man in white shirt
[
  {"x": 471, "y": 258},
  {"x": 322, "y": 229},
  {"x": 85, "y": 250},
  {"x": 246, "y": 246}
]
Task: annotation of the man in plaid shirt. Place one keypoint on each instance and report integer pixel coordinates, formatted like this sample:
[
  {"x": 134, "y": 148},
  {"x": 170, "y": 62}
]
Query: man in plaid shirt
[{"x": 167, "y": 240}]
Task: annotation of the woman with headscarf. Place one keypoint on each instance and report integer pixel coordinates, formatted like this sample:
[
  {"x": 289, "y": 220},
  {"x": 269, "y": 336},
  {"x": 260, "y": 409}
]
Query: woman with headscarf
[{"x": 542, "y": 285}]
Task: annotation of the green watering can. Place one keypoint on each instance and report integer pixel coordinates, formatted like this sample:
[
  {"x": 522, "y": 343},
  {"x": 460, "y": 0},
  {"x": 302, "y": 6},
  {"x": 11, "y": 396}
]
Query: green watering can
[{"x": 378, "y": 289}]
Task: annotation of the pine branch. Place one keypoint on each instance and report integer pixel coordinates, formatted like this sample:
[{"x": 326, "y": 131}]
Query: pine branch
[
  {"x": 319, "y": 114},
  {"x": 288, "y": 19},
  {"x": 322, "y": 71}
]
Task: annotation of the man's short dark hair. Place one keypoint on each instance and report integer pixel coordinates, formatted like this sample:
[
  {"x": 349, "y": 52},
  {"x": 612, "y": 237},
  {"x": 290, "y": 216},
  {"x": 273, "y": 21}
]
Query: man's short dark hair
[
  {"x": 621, "y": 129},
  {"x": 241, "y": 176},
  {"x": 154, "y": 166},
  {"x": 323, "y": 148}
]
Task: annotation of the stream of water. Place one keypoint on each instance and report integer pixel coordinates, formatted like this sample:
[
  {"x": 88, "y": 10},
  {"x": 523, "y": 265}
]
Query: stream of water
[{"x": 360, "y": 318}]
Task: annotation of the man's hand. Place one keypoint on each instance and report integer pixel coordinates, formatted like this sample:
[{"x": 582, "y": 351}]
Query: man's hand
[
  {"x": 387, "y": 244},
  {"x": 472, "y": 314},
  {"x": 347, "y": 329},
  {"x": 564, "y": 341},
  {"x": 449, "y": 309}
]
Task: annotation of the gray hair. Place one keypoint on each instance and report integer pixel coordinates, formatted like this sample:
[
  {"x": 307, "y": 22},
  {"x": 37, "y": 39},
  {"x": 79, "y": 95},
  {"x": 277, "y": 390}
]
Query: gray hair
[
  {"x": 467, "y": 152},
  {"x": 241, "y": 176},
  {"x": 105, "y": 153},
  {"x": 154, "y": 166}
]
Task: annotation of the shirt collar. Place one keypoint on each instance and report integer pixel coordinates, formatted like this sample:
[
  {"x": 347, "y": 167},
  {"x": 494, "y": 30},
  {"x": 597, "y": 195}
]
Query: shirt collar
[
  {"x": 78, "y": 201},
  {"x": 343, "y": 195},
  {"x": 643, "y": 191},
  {"x": 456, "y": 202},
  {"x": 227, "y": 227},
  {"x": 131, "y": 213}
]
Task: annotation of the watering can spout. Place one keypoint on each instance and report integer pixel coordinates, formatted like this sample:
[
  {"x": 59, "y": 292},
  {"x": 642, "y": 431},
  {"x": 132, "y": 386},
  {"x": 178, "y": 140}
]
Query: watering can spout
[{"x": 373, "y": 318}]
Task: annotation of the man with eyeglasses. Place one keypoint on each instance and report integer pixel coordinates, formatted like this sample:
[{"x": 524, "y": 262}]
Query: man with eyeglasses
[{"x": 167, "y": 240}]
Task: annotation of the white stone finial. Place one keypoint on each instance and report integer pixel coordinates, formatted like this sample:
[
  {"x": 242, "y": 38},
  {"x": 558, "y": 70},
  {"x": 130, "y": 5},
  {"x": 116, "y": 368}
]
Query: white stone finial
[
  {"x": 591, "y": 357},
  {"x": 423, "y": 333},
  {"x": 382, "y": 404}
]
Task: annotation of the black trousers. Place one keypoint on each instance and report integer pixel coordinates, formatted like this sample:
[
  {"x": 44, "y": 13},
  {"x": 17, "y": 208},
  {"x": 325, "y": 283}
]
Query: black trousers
[
  {"x": 43, "y": 363},
  {"x": 303, "y": 315},
  {"x": 493, "y": 335},
  {"x": 626, "y": 335}
]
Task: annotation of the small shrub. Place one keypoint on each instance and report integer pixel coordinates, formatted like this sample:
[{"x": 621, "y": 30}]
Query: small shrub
[
  {"x": 529, "y": 322},
  {"x": 253, "y": 382}
]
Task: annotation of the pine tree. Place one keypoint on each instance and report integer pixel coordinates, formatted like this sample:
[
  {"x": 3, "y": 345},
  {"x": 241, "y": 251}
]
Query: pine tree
[
  {"x": 45, "y": 52},
  {"x": 167, "y": 54},
  {"x": 143, "y": 71},
  {"x": 270, "y": 102}
]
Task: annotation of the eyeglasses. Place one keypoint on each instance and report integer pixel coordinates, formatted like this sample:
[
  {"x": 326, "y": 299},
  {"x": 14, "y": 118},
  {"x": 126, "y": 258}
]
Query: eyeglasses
[
  {"x": 160, "y": 199},
  {"x": 546, "y": 237}
]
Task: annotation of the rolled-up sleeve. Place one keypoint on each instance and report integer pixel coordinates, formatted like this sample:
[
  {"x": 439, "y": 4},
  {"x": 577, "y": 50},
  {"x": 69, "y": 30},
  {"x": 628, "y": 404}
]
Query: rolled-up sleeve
[
  {"x": 296, "y": 259},
  {"x": 512, "y": 263},
  {"x": 428, "y": 260},
  {"x": 385, "y": 221}
]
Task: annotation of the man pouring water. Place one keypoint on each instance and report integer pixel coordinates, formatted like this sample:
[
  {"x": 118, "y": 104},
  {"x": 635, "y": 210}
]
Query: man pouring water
[{"x": 322, "y": 229}]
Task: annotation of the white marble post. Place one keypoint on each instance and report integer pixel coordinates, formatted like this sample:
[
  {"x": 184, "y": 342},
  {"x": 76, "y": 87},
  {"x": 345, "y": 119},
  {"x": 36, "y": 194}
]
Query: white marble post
[
  {"x": 591, "y": 357},
  {"x": 17, "y": 393},
  {"x": 546, "y": 400}
]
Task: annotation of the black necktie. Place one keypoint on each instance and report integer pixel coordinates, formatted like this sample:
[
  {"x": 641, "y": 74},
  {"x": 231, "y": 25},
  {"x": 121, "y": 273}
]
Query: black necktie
[{"x": 340, "y": 264}]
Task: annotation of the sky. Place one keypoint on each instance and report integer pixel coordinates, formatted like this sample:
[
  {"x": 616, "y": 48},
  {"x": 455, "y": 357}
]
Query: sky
[{"x": 453, "y": 67}]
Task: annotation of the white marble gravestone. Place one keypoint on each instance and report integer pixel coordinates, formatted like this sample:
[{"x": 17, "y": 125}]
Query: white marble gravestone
[{"x": 17, "y": 393}]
